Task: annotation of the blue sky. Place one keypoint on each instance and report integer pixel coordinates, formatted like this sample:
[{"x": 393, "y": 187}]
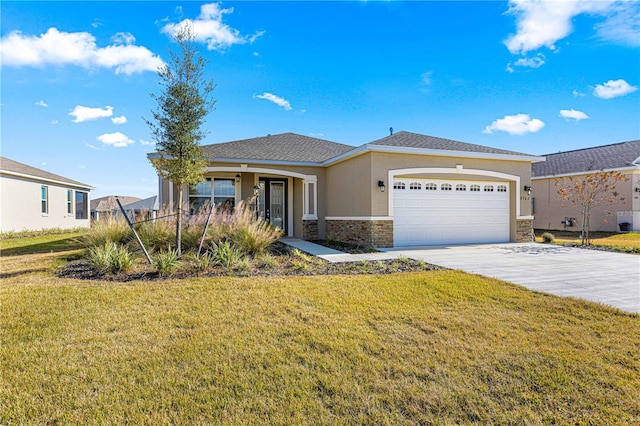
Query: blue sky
[{"x": 530, "y": 76}]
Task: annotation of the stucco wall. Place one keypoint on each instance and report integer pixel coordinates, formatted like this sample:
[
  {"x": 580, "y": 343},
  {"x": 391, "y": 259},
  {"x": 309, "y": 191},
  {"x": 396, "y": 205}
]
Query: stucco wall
[
  {"x": 550, "y": 210},
  {"x": 20, "y": 206}
]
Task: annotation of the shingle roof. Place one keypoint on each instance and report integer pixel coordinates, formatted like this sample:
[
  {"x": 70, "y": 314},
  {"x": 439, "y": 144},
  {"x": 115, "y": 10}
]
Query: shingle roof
[
  {"x": 415, "y": 140},
  {"x": 109, "y": 203},
  {"x": 150, "y": 203},
  {"x": 282, "y": 147},
  {"x": 23, "y": 169},
  {"x": 614, "y": 156}
]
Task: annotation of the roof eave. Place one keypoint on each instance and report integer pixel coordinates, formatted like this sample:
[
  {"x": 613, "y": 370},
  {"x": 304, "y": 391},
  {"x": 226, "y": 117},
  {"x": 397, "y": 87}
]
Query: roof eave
[
  {"x": 42, "y": 179},
  {"x": 585, "y": 172}
]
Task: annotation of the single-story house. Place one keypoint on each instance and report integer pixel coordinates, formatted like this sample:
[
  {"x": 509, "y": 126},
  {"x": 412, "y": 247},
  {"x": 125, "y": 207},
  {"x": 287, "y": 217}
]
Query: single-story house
[
  {"x": 146, "y": 209},
  {"x": 106, "y": 207},
  {"x": 402, "y": 190},
  {"x": 33, "y": 199},
  {"x": 552, "y": 213}
]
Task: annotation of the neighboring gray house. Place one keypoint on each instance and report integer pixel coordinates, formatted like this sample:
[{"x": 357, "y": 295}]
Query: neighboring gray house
[
  {"x": 34, "y": 199},
  {"x": 142, "y": 209},
  {"x": 552, "y": 213},
  {"x": 104, "y": 207}
]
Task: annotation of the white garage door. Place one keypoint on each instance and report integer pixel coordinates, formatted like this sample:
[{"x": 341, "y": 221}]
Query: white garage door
[{"x": 433, "y": 212}]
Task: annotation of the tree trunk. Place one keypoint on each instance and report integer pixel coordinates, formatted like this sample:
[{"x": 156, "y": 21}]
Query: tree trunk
[
  {"x": 583, "y": 233},
  {"x": 179, "y": 222}
]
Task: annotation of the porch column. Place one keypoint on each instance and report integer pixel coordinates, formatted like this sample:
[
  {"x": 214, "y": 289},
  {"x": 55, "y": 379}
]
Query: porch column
[{"x": 310, "y": 208}]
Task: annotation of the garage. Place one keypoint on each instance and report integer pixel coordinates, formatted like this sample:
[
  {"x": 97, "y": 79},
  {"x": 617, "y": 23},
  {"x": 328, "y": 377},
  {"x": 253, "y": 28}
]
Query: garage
[{"x": 440, "y": 211}]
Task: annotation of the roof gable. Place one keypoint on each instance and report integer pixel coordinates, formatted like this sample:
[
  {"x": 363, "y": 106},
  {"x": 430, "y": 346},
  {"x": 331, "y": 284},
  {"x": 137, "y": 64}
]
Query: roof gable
[
  {"x": 14, "y": 167},
  {"x": 414, "y": 140},
  {"x": 282, "y": 147},
  {"x": 605, "y": 157}
]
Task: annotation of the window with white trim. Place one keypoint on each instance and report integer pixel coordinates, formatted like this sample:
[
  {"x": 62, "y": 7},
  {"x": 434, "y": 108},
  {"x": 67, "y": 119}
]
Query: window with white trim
[
  {"x": 446, "y": 187},
  {"x": 502, "y": 188},
  {"x": 200, "y": 195},
  {"x": 399, "y": 185},
  {"x": 44, "y": 199},
  {"x": 224, "y": 193},
  {"x": 461, "y": 187},
  {"x": 474, "y": 188},
  {"x": 488, "y": 188},
  {"x": 220, "y": 192},
  {"x": 82, "y": 205},
  {"x": 430, "y": 186},
  {"x": 415, "y": 185}
]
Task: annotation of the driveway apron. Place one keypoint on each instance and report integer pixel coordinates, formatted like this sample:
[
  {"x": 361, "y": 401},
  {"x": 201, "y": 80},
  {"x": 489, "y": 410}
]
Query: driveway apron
[{"x": 609, "y": 278}]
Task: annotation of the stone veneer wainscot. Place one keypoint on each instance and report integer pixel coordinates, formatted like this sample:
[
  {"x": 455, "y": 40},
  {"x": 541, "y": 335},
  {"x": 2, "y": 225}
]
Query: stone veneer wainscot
[{"x": 366, "y": 233}]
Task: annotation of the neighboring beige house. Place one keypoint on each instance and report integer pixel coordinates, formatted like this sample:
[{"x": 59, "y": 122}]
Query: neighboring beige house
[
  {"x": 406, "y": 189},
  {"x": 34, "y": 199},
  {"x": 106, "y": 207},
  {"x": 548, "y": 208}
]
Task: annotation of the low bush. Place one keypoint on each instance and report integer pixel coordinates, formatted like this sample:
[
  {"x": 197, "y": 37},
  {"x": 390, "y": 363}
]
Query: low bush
[
  {"x": 226, "y": 255},
  {"x": 111, "y": 258},
  {"x": 548, "y": 237},
  {"x": 166, "y": 262}
]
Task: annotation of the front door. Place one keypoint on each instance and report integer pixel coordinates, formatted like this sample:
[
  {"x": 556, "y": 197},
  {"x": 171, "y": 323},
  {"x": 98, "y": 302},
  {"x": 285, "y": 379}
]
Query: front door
[{"x": 273, "y": 202}]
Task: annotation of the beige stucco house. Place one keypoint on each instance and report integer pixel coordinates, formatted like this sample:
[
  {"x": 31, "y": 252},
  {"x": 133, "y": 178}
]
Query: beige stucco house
[
  {"x": 552, "y": 213},
  {"x": 403, "y": 190},
  {"x": 34, "y": 199}
]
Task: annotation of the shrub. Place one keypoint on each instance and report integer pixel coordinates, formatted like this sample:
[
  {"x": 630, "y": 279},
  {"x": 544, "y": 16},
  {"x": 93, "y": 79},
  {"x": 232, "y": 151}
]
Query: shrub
[
  {"x": 548, "y": 237},
  {"x": 166, "y": 262},
  {"x": 111, "y": 258},
  {"x": 191, "y": 235},
  {"x": 109, "y": 230},
  {"x": 226, "y": 255},
  {"x": 203, "y": 262}
]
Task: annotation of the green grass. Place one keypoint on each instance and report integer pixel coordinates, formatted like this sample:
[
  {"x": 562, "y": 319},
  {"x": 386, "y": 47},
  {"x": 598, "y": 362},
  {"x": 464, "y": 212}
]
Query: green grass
[
  {"x": 627, "y": 243},
  {"x": 440, "y": 347},
  {"x": 43, "y": 243}
]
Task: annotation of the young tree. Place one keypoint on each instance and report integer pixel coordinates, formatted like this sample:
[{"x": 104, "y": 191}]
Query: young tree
[
  {"x": 183, "y": 103},
  {"x": 586, "y": 192}
]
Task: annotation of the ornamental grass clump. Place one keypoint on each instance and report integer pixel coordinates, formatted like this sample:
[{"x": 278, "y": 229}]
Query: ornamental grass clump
[
  {"x": 226, "y": 255},
  {"x": 166, "y": 262},
  {"x": 111, "y": 258},
  {"x": 156, "y": 236},
  {"x": 548, "y": 238},
  {"x": 108, "y": 230}
]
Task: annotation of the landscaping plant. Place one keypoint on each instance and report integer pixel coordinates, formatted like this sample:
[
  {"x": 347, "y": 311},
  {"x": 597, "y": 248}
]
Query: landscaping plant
[{"x": 111, "y": 258}]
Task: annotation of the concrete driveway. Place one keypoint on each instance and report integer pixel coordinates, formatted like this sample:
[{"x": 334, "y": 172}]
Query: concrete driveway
[{"x": 609, "y": 278}]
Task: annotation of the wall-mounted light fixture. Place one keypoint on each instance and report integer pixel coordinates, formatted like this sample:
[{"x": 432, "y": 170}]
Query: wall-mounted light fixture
[
  {"x": 638, "y": 189},
  {"x": 527, "y": 188},
  {"x": 238, "y": 178},
  {"x": 381, "y": 185}
]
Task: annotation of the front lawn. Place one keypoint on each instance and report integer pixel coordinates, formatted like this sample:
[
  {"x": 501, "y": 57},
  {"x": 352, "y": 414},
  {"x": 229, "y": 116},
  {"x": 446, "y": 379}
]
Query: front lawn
[
  {"x": 627, "y": 243},
  {"x": 440, "y": 347}
]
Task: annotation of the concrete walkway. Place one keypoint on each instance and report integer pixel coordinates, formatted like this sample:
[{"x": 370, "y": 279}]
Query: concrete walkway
[{"x": 609, "y": 278}]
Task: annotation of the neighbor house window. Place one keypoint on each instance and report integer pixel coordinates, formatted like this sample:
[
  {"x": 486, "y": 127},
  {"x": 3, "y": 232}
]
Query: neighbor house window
[
  {"x": 224, "y": 193},
  {"x": 69, "y": 201},
  {"x": 199, "y": 195},
  {"x": 82, "y": 205},
  {"x": 44, "y": 197}
]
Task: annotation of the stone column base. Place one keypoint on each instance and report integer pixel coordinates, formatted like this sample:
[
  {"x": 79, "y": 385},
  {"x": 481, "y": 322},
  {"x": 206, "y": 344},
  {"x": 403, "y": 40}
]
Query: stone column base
[
  {"x": 366, "y": 233},
  {"x": 524, "y": 231},
  {"x": 309, "y": 229}
]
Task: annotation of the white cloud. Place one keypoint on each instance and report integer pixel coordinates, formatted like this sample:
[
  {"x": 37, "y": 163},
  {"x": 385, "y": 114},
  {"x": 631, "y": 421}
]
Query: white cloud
[
  {"x": 123, "y": 38},
  {"x": 42, "y": 104},
  {"x": 573, "y": 114},
  {"x": 276, "y": 100},
  {"x": 119, "y": 120},
  {"x": 535, "y": 62},
  {"x": 577, "y": 94},
  {"x": 613, "y": 89},
  {"x": 518, "y": 124},
  {"x": 543, "y": 22},
  {"x": 54, "y": 121},
  {"x": 83, "y": 113},
  {"x": 44, "y": 163},
  {"x": 209, "y": 29},
  {"x": 143, "y": 142},
  {"x": 61, "y": 48},
  {"x": 426, "y": 78},
  {"x": 116, "y": 139}
]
